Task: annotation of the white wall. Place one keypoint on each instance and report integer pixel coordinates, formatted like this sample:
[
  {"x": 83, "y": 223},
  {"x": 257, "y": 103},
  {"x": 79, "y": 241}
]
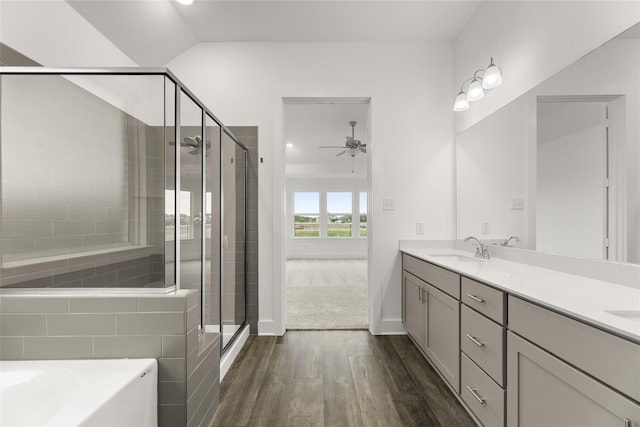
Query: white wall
[
  {"x": 530, "y": 41},
  {"x": 491, "y": 170},
  {"x": 410, "y": 150},
  {"x": 324, "y": 247},
  {"x": 53, "y": 34},
  {"x": 572, "y": 226}
]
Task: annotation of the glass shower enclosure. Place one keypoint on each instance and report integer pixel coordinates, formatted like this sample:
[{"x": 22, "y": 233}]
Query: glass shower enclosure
[{"x": 121, "y": 178}]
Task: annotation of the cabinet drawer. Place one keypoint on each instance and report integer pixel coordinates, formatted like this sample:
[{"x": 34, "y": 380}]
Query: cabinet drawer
[
  {"x": 610, "y": 359},
  {"x": 488, "y": 401},
  {"x": 441, "y": 278},
  {"x": 484, "y": 299},
  {"x": 483, "y": 341}
]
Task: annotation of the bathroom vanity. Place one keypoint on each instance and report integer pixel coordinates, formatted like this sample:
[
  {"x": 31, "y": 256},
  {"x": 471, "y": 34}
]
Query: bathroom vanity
[{"x": 522, "y": 345}]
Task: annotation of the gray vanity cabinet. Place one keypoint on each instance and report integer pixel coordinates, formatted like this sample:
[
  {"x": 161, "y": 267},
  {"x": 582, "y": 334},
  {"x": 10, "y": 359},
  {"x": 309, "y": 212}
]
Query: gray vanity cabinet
[
  {"x": 545, "y": 391},
  {"x": 516, "y": 363},
  {"x": 482, "y": 335},
  {"x": 442, "y": 337},
  {"x": 413, "y": 313},
  {"x": 431, "y": 314},
  {"x": 563, "y": 372}
]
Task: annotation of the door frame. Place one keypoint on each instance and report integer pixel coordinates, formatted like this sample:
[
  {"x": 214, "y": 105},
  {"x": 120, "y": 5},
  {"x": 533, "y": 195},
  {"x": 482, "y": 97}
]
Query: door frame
[
  {"x": 616, "y": 224},
  {"x": 276, "y": 325}
]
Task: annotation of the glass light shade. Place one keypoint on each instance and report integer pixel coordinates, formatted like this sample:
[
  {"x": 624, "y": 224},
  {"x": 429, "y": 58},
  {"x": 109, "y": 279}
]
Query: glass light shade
[
  {"x": 461, "y": 103},
  {"x": 492, "y": 77},
  {"x": 475, "y": 91}
]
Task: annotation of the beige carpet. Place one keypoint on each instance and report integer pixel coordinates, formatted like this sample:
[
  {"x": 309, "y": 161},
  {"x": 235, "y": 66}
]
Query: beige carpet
[{"x": 326, "y": 294}]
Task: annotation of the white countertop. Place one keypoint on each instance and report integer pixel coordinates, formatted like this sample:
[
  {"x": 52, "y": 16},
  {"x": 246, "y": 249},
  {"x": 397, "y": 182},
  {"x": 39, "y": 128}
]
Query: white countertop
[{"x": 580, "y": 297}]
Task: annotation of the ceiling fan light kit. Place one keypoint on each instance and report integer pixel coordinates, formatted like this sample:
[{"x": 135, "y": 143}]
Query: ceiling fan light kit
[{"x": 351, "y": 145}]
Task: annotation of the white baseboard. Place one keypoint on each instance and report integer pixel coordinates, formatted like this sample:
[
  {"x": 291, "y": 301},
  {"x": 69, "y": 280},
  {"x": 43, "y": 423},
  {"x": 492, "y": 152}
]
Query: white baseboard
[
  {"x": 269, "y": 328},
  {"x": 391, "y": 327}
]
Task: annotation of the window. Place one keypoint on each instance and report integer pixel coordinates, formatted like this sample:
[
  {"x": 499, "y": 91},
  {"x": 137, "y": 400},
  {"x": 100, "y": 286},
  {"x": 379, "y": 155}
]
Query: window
[
  {"x": 186, "y": 223},
  {"x": 363, "y": 214},
  {"x": 339, "y": 214},
  {"x": 330, "y": 214},
  {"x": 306, "y": 212}
]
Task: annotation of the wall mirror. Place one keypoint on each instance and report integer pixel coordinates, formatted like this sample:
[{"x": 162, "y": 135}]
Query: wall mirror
[{"x": 558, "y": 166}]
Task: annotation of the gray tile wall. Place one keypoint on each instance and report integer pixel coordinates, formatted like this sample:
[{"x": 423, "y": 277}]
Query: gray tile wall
[
  {"x": 164, "y": 327},
  {"x": 64, "y": 168},
  {"x": 79, "y": 176},
  {"x": 117, "y": 270},
  {"x": 249, "y": 137}
]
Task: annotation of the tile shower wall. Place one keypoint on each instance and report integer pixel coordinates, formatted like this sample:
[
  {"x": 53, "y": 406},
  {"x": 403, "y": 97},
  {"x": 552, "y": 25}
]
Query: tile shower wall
[
  {"x": 248, "y": 135},
  {"x": 65, "y": 169},
  {"x": 165, "y": 327},
  {"x": 103, "y": 270},
  {"x": 82, "y": 187}
]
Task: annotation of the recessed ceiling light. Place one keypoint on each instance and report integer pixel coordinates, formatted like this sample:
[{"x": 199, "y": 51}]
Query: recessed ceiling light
[
  {"x": 289, "y": 145},
  {"x": 187, "y": 2}
]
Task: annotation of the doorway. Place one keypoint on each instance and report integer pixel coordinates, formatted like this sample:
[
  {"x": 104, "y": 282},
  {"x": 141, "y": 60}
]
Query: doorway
[
  {"x": 326, "y": 224},
  {"x": 577, "y": 166}
]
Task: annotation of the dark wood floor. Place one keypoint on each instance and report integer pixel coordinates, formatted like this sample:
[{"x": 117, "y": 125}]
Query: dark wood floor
[{"x": 335, "y": 378}]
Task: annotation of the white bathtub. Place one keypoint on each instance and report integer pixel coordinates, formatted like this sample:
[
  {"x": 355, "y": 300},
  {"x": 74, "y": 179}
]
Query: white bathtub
[{"x": 88, "y": 393}]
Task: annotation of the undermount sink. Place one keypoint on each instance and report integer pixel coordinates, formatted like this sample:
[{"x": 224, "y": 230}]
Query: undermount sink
[
  {"x": 457, "y": 257},
  {"x": 626, "y": 314}
]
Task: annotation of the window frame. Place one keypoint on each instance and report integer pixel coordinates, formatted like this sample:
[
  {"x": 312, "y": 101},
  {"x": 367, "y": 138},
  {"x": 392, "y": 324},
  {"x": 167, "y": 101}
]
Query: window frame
[{"x": 323, "y": 215}]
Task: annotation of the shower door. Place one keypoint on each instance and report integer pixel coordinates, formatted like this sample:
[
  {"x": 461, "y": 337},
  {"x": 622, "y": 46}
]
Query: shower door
[
  {"x": 212, "y": 223},
  {"x": 233, "y": 237}
]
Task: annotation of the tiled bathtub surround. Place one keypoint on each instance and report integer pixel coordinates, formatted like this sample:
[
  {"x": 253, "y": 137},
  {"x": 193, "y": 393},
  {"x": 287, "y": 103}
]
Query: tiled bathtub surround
[{"x": 84, "y": 326}]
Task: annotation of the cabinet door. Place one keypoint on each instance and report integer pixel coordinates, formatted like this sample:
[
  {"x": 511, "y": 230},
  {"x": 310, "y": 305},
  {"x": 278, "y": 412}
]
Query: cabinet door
[
  {"x": 442, "y": 333},
  {"x": 412, "y": 292},
  {"x": 545, "y": 391}
]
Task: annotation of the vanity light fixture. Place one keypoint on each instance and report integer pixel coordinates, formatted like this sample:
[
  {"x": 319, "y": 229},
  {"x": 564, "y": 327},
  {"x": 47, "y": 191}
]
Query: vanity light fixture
[
  {"x": 490, "y": 79},
  {"x": 492, "y": 76}
]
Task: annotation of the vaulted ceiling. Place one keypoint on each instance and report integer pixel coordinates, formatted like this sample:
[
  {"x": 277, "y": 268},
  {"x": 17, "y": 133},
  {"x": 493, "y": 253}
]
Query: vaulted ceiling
[{"x": 152, "y": 32}]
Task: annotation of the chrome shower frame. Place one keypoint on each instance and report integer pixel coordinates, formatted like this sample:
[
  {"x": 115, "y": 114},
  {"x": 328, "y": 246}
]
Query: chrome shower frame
[{"x": 180, "y": 89}]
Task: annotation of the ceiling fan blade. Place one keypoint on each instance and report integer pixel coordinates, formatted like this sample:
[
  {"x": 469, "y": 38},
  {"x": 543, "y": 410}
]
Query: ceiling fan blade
[
  {"x": 364, "y": 150},
  {"x": 341, "y": 153}
]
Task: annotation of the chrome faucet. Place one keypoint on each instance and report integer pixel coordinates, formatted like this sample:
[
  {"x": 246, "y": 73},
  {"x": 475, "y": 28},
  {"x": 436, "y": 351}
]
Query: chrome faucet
[
  {"x": 482, "y": 250},
  {"x": 506, "y": 242}
]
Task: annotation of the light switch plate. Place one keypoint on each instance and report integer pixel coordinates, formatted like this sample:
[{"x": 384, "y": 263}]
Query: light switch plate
[
  {"x": 389, "y": 204},
  {"x": 486, "y": 228},
  {"x": 419, "y": 227},
  {"x": 517, "y": 204}
]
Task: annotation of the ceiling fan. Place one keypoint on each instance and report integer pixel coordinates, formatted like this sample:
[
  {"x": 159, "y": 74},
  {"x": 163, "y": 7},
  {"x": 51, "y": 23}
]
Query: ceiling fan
[
  {"x": 351, "y": 145},
  {"x": 194, "y": 143}
]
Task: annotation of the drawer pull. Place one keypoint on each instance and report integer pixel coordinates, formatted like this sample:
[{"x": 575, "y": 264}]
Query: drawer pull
[
  {"x": 478, "y": 398},
  {"x": 478, "y": 343},
  {"x": 473, "y": 297},
  {"x": 627, "y": 422}
]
